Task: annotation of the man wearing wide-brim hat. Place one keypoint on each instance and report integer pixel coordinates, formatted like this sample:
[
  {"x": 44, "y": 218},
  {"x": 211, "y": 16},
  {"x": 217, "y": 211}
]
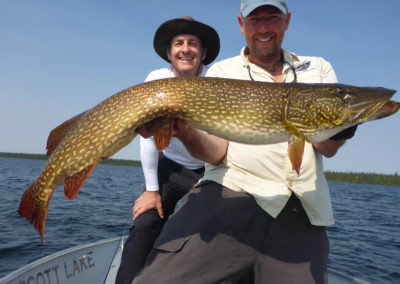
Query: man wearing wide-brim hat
[
  {"x": 207, "y": 36},
  {"x": 188, "y": 45}
]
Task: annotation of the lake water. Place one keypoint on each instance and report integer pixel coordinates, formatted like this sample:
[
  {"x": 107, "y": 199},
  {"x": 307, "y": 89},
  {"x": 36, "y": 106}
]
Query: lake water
[{"x": 365, "y": 241}]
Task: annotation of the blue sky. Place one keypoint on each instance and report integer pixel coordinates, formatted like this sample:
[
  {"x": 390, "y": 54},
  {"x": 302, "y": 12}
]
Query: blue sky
[{"x": 59, "y": 58}]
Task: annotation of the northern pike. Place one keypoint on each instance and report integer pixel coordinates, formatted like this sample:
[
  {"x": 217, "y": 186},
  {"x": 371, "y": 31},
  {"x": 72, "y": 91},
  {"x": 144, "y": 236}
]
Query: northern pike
[{"x": 241, "y": 111}]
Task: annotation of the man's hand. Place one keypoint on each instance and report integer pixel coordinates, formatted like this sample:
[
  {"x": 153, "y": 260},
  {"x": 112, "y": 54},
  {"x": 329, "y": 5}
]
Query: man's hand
[
  {"x": 148, "y": 200},
  {"x": 329, "y": 147},
  {"x": 143, "y": 131}
]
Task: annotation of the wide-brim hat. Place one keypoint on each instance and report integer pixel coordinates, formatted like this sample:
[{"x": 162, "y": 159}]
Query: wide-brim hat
[{"x": 186, "y": 25}]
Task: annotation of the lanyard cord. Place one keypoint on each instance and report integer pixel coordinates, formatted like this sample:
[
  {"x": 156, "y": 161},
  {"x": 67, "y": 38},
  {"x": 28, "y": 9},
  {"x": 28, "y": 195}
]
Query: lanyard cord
[{"x": 284, "y": 62}]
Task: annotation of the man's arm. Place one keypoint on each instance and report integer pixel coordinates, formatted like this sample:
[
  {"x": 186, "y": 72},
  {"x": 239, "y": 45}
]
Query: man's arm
[
  {"x": 150, "y": 198},
  {"x": 330, "y": 147},
  {"x": 201, "y": 145}
]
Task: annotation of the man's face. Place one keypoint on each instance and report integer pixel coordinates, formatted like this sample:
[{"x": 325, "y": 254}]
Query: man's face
[
  {"x": 186, "y": 53},
  {"x": 264, "y": 30}
]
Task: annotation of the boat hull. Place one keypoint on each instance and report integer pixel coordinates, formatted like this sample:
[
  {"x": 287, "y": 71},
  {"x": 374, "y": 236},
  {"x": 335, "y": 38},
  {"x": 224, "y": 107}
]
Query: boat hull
[
  {"x": 88, "y": 263},
  {"x": 96, "y": 262}
]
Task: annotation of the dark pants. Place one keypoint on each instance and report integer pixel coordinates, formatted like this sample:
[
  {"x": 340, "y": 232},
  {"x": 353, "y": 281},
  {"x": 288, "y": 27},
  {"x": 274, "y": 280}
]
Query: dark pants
[
  {"x": 174, "y": 181},
  {"x": 222, "y": 236}
]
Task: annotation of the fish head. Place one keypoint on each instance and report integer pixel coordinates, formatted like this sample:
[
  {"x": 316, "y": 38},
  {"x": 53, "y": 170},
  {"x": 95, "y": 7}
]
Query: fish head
[
  {"x": 362, "y": 104},
  {"x": 327, "y": 109}
]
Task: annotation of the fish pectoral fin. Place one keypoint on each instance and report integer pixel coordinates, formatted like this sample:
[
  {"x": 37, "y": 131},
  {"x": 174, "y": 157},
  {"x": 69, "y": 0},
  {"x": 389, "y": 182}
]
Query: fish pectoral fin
[
  {"x": 162, "y": 129},
  {"x": 296, "y": 150},
  {"x": 74, "y": 183},
  {"x": 58, "y": 133}
]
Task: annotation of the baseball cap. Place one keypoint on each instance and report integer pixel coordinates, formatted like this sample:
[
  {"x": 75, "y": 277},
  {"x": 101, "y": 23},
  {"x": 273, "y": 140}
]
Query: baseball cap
[{"x": 248, "y": 6}]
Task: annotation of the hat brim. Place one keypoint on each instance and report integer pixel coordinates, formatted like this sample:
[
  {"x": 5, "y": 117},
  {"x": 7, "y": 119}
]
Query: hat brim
[
  {"x": 247, "y": 11},
  {"x": 208, "y": 36}
]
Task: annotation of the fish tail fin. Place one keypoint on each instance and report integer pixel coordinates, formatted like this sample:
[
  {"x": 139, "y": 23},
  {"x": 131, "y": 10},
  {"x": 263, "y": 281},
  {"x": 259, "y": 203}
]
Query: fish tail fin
[
  {"x": 74, "y": 183},
  {"x": 162, "y": 129},
  {"x": 34, "y": 209}
]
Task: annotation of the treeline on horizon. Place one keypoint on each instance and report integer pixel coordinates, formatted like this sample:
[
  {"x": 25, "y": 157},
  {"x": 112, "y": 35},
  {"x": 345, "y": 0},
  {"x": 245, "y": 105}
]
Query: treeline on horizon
[
  {"x": 116, "y": 162},
  {"x": 352, "y": 177}
]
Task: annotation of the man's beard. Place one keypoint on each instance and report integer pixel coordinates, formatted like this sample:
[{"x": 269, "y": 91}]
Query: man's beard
[{"x": 264, "y": 53}]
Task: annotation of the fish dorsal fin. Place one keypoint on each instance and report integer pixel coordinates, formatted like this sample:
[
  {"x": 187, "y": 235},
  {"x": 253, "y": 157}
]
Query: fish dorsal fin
[
  {"x": 162, "y": 129},
  {"x": 58, "y": 133},
  {"x": 296, "y": 150},
  {"x": 73, "y": 184}
]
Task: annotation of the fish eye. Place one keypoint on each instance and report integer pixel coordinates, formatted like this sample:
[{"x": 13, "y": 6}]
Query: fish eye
[
  {"x": 340, "y": 91},
  {"x": 345, "y": 95}
]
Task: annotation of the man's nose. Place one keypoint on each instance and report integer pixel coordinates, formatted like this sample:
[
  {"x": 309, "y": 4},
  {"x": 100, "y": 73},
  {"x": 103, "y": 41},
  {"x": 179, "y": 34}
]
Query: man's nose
[{"x": 185, "y": 47}]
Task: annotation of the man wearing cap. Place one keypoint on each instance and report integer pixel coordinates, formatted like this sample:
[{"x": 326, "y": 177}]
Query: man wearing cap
[
  {"x": 188, "y": 46},
  {"x": 252, "y": 218}
]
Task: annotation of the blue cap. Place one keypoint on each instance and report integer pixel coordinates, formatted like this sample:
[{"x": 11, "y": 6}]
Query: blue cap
[{"x": 248, "y": 6}]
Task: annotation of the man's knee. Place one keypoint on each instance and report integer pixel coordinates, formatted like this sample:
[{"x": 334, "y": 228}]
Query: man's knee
[{"x": 149, "y": 220}]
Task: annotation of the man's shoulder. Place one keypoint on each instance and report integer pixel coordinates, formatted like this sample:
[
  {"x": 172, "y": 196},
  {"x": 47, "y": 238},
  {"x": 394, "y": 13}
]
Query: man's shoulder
[
  {"x": 225, "y": 68},
  {"x": 301, "y": 61},
  {"x": 161, "y": 73},
  {"x": 227, "y": 61},
  {"x": 313, "y": 69}
]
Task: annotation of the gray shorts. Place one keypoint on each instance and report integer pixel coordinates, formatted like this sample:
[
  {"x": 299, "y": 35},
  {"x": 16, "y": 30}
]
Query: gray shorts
[{"x": 222, "y": 236}]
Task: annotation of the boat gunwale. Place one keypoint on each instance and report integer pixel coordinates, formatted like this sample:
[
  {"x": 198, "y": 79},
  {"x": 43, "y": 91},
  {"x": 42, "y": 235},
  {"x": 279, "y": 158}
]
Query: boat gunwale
[{"x": 32, "y": 265}]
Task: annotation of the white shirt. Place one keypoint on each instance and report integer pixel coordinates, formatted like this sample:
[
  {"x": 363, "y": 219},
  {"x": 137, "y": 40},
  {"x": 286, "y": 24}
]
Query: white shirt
[
  {"x": 265, "y": 171},
  {"x": 176, "y": 151}
]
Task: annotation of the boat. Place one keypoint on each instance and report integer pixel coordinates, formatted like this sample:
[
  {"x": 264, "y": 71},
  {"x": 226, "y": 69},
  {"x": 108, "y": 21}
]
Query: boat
[{"x": 96, "y": 263}]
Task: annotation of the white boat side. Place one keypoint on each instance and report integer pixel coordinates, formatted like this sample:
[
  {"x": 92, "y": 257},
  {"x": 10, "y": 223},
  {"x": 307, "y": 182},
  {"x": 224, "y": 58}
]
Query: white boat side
[{"x": 95, "y": 263}]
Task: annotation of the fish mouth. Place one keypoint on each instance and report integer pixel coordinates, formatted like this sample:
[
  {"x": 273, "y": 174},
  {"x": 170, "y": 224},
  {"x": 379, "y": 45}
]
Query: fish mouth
[
  {"x": 372, "y": 105},
  {"x": 389, "y": 108},
  {"x": 365, "y": 112}
]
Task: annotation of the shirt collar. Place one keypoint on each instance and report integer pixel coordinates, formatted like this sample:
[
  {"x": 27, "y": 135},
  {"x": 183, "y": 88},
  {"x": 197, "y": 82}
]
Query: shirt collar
[
  {"x": 293, "y": 64},
  {"x": 288, "y": 56}
]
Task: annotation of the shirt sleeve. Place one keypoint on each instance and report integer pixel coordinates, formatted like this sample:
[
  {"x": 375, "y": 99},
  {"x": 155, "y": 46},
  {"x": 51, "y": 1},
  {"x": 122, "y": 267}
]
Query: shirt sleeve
[
  {"x": 148, "y": 150},
  {"x": 149, "y": 160},
  {"x": 212, "y": 71},
  {"x": 328, "y": 74},
  {"x": 152, "y": 76}
]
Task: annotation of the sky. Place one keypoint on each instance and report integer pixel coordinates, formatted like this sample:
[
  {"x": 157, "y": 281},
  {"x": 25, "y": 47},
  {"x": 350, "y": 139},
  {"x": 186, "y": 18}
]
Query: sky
[{"x": 59, "y": 58}]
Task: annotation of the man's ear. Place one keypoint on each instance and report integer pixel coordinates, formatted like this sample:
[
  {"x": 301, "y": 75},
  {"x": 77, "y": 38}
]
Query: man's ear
[
  {"x": 204, "y": 54},
  {"x": 169, "y": 54},
  {"x": 241, "y": 23}
]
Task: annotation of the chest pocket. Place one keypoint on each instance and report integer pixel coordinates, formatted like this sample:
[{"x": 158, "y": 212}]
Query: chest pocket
[{"x": 309, "y": 72}]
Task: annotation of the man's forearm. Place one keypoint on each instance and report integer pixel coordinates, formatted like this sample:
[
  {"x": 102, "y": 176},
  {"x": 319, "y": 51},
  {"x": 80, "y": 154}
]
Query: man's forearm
[{"x": 204, "y": 146}]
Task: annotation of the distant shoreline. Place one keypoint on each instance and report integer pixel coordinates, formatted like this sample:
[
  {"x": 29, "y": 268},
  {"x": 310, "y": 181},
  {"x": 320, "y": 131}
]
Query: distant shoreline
[
  {"x": 352, "y": 177},
  {"x": 115, "y": 162}
]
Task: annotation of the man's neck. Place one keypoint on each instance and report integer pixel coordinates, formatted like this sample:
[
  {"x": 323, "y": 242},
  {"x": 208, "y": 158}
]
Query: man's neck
[
  {"x": 192, "y": 73},
  {"x": 272, "y": 64}
]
